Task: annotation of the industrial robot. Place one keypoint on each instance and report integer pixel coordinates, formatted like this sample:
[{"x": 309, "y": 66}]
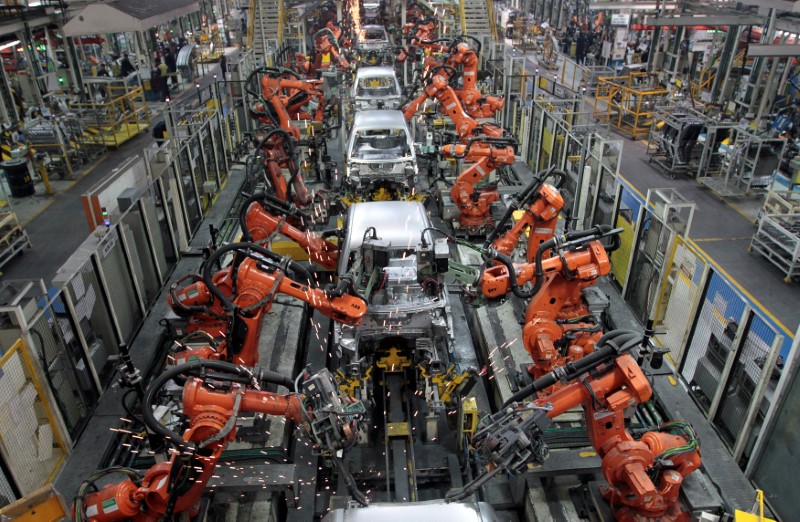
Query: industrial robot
[
  {"x": 282, "y": 96},
  {"x": 539, "y": 204},
  {"x": 281, "y": 99},
  {"x": 643, "y": 471},
  {"x": 457, "y": 53},
  {"x": 327, "y": 51},
  {"x": 214, "y": 394},
  {"x": 559, "y": 328},
  {"x": 231, "y": 303},
  {"x": 262, "y": 216},
  {"x": 482, "y": 144}
]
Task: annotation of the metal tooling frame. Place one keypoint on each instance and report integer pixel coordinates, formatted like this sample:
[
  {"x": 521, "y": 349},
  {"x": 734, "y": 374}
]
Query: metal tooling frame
[
  {"x": 673, "y": 117},
  {"x": 710, "y": 163},
  {"x": 740, "y": 166}
]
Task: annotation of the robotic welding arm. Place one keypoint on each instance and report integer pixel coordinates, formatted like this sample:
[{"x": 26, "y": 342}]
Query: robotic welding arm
[
  {"x": 644, "y": 474},
  {"x": 262, "y": 216},
  {"x": 579, "y": 253},
  {"x": 214, "y": 394},
  {"x": 541, "y": 204},
  {"x": 240, "y": 299}
]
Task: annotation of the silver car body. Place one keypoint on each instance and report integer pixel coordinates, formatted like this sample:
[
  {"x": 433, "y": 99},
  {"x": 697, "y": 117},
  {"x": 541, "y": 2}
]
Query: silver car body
[
  {"x": 372, "y": 11},
  {"x": 376, "y": 88},
  {"x": 428, "y": 511},
  {"x": 372, "y": 38},
  {"x": 385, "y": 237},
  {"x": 380, "y": 150}
]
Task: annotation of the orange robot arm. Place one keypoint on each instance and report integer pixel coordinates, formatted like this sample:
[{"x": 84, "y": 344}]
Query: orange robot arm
[
  {"x": 476, "y": 104},
  {"x": 644, "y": 476},
  {"x": 261, "y": 225},
  {"x": 257, "y": 287},
  {"x": 176, "y": 486},
  {"x": 278, "y": 152},
  {"x": 488, "y": 154},
  {"x": 580, "y": 256}
]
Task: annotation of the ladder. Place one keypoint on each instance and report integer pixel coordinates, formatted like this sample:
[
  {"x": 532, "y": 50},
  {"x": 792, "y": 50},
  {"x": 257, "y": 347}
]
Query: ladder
[
  {"x": 264, "y": 27},
  {"x": 475, "y": 17}
]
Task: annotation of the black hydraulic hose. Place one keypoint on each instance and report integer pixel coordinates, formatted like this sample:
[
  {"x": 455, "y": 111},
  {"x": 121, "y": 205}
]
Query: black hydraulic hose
[
  {"x": 290, "y": 265},
  {"x": 246, "y": 237},
  {"x": 608, "y": 347},
  {"x": 270, "y": 202},
  {"x": 570, "y": 239},
  {"x": 458, "y": 39},
  {"x": 560, "y": 175},
  {"x": 270, "y": 71},
  {"x": 176, "y": 303},
  {"x": 350, "y": 482},
  {"x": 332, "y": 37}
]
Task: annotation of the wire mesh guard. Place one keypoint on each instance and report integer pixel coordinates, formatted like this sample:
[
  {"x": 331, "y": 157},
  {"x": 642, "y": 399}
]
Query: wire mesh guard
[
  {"x": 31, "y": 445},
  {"x": 626, "y": 219},
  {"x": 681, "y": 290},
  {"x": 712, "y": 339},
  {"x": 740, "y": 388},
  {"x": 120, "y": 286}
]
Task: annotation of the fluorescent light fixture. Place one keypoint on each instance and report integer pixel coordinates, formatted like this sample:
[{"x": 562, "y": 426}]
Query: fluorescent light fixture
[{"x": 9, "y": 44}]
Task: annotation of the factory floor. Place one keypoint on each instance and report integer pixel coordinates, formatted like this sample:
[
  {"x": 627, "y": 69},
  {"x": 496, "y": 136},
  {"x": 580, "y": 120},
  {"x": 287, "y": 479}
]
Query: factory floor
[{"x": 56, "y": 224}]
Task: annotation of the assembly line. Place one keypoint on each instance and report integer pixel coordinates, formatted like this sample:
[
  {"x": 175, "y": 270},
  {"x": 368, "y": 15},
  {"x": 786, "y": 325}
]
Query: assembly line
[{"x": 402, "y": 412}]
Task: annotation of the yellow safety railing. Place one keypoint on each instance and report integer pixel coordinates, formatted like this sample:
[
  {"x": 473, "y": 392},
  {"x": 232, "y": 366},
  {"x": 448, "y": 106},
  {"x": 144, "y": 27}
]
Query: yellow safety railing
[
  {"x": 462, "y": 15},
  {"x": 492, "y": 21},
  {"x": 251, "y": 23},
  {"x": 628, "y": 102},
  {"x": 281, "y": 20},
  {"x": 111, "y": 123},
  {"x": 707, "y": 76}
]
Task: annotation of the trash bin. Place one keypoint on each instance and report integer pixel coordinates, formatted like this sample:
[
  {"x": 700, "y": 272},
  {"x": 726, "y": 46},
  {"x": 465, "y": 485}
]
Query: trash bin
[{"x": 18, "y": 177}]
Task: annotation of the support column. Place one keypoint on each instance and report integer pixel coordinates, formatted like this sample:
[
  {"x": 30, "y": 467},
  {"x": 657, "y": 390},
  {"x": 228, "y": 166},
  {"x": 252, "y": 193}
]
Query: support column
[
  {"x": 753, "y": 84},
  {"x": 725, "y": 64}
]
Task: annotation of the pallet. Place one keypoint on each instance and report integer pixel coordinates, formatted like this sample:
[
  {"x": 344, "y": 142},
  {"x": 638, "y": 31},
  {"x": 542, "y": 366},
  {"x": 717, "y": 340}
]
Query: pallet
[
  {"x": 778, "y": 240},
  {"x": 782, "y": 202}
]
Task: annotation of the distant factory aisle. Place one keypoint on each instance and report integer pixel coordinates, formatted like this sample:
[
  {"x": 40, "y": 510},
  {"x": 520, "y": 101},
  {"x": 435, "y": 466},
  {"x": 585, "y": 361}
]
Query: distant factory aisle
[
  {"x": 60, "y": 227},
  {"x": 723, "y": 232}
]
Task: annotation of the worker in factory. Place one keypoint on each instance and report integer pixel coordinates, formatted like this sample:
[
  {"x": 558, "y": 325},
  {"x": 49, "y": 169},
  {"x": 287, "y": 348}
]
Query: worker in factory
[
  {"x": 581, "y": 46},
  {"x": 125, "y": 66},
  {"x": 163, "y": 71}
]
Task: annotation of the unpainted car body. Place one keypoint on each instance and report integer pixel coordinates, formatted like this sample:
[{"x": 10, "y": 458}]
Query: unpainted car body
[
  {"x": 380, "y": 155},
  {"x": 376, "y": 88}
]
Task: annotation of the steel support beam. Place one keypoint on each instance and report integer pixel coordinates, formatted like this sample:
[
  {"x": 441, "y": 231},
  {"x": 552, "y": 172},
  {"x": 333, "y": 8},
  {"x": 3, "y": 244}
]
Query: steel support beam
[
  {"x": 773, "y": 51},
  {"x": 713, "y": 21}
]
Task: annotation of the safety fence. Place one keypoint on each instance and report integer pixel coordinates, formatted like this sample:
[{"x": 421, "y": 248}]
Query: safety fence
[
  {"x": 554, "y": 132},
  {"x": 724, "y": 345},
  {"x": 72, "y": 328},
  {"x": 31, "y": 446},
  {"x": 776, "y": 460}
]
